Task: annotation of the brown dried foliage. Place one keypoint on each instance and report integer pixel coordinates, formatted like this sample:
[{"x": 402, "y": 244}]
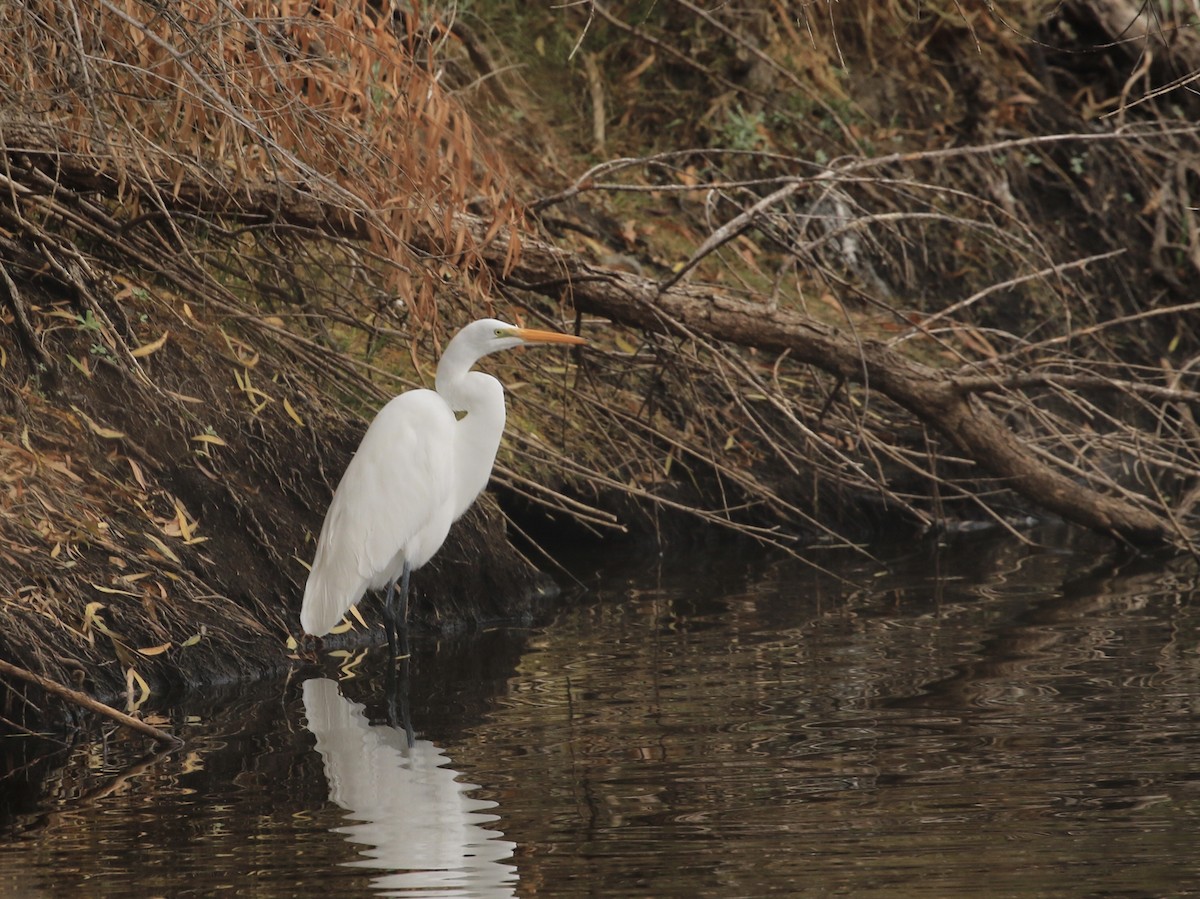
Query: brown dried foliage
[{"x": 221, "y": 104}]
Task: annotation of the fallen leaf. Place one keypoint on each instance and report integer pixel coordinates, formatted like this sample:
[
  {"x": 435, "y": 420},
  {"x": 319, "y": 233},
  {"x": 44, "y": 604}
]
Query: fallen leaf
[
  {"x": 112, "y": 590},
  {"x": 137, "y": 473},
  {"x": 133, "y": 679},
  {"x": 288, "y": 408},
  {"x": 147, "y": 348},
  {"x": 181, "y": 518},
  {"x": 98, "y": 430},
  {"x": 162, "y": 547}
]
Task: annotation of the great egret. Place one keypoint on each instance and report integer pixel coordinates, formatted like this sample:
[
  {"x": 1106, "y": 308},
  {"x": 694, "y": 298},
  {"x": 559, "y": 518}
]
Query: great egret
[{"x": 418, "y": 469}]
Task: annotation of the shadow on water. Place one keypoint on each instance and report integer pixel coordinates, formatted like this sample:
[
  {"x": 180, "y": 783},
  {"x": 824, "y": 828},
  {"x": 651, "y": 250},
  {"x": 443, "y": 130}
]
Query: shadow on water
[{"x": 972, "y": 712}]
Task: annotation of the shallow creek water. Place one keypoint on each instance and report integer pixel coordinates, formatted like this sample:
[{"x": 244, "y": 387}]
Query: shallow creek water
[{"x": 980, "y": 718}]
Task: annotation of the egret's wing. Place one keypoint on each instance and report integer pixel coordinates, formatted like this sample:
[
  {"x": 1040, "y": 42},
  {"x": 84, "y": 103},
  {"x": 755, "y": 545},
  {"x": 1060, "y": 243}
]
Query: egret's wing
[{"x": 399, "y": 481}]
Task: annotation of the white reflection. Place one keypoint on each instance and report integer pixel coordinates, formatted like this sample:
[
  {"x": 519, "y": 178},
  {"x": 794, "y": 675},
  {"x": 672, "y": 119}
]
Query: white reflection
[{"x": 417, "y": 819}]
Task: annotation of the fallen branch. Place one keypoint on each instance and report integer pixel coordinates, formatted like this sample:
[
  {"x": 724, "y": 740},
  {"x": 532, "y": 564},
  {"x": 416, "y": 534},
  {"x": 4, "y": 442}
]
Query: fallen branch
[
  {"x": 934, "y": 396},
  {"x": 84, "y": 701}
]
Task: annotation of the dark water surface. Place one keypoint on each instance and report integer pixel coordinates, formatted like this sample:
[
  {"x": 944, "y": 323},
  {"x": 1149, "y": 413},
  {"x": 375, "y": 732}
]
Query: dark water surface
[{"x": 984, "y": 718}]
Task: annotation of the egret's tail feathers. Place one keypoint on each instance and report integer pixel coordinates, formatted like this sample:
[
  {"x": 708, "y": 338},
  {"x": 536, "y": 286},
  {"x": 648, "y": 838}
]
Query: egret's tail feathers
[{"x": 322, "y": 608}]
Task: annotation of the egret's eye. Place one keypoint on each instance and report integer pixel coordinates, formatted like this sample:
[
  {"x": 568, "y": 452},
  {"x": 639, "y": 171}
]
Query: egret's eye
[{"x": 499, "y": 332}]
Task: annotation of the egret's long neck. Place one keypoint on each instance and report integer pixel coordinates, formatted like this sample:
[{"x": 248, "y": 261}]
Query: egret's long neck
[{"x": 477, "y": 437}]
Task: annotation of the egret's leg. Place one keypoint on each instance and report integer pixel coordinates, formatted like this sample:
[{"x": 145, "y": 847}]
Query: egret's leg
[
  {"x": 389, "y": 619},
  {"x": 395, "y": 613},
  {"x": 403, "y": 615}
]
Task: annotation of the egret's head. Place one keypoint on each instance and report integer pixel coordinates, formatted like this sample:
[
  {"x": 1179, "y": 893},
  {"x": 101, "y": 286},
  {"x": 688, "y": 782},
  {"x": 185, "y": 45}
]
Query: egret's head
[{"x": 489, "y": 335}]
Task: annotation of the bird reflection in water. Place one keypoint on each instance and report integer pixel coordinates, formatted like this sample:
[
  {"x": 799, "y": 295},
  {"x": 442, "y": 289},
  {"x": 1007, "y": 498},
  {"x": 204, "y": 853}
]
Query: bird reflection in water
[{"x": 417, "y": 819}]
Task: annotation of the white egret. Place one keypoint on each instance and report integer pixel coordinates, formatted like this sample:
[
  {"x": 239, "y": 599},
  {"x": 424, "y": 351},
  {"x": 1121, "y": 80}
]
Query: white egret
[{"x": 419, "y": 467}]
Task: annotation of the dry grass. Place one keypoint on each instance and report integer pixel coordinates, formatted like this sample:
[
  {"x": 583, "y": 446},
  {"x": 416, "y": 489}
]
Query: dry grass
[{"x": 223, "y": 104}]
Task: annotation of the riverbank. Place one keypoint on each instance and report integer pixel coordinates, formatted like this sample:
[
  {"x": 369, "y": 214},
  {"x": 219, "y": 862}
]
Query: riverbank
[{"x": 886, "y": 273}]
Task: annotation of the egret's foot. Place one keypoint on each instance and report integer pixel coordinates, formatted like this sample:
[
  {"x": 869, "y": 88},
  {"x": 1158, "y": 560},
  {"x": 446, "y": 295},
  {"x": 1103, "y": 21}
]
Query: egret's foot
[{"x": 309, "y": 648}]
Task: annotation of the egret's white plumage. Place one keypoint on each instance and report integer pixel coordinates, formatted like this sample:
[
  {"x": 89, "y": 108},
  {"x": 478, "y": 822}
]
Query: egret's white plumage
[{"x": 419, "y": 468}]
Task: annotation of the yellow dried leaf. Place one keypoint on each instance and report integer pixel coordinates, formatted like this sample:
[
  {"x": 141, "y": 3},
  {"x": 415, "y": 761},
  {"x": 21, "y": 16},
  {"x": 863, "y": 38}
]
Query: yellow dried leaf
[
  {"x": 155, "y": 650},
  {"x": 134, "y": 680},
  {"x": 252, "y": 393},
  {"x": 242, "y": 351},
  {"x": 290, "y": 410},
  {"x": 147, "y": 348},
  {"x": 342, "y": 628},
  {"x": 137, "y": 473},
  {"x": 162, "y": 547},
  {"x": 98, "y": 430},
  {"x": 90, "y": 611},
  {"x": 181, "y": 518},
  {"x": 358, "y": 615},
  {"x": 291, "y": 643},
  {"x": 126, "y": 290},
  {"x": 112, "y": 590},
  {"x": 55, "y": 465},
  {"x": 210, "y": 438}
]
